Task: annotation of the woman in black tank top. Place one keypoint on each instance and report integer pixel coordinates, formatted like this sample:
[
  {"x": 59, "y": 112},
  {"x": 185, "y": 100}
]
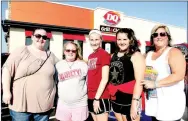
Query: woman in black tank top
[{"x": 127, "y": 69}]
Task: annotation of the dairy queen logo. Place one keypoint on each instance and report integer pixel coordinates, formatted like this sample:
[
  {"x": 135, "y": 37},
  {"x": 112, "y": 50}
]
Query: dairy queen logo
[{"x": 111, "y": 18}]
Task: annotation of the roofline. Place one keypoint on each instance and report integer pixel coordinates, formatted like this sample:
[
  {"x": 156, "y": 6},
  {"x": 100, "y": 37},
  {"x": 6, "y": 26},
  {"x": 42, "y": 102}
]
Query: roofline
[
  {"x": 6, "y": 24},
  {"x": 118, "y": 12},
  {"x": 169, "y": 25},
  {"x": 68, "y": 4}
]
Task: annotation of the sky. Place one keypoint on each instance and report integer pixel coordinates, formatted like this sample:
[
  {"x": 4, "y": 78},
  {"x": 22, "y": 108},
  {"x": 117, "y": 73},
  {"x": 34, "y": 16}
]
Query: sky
[{"x": 170, "y": 13}]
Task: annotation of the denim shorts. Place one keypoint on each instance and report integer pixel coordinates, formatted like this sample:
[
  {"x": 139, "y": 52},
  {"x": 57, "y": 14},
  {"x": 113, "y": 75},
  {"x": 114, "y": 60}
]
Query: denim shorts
[{"x": 25, "y": 116}]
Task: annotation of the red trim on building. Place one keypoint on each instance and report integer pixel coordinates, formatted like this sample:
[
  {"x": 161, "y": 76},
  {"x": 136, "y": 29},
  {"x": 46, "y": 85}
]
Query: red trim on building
[
  {"x": 113, "y": 39},
  {"x": 109, "y": 38},
  {"x": 138, "y": 42},
  {"x": 74, "y": 36},
  {"x": 29, "y": 33},
  {"x": 184, "y": 44},
  {"x": 148, "y": 43}
]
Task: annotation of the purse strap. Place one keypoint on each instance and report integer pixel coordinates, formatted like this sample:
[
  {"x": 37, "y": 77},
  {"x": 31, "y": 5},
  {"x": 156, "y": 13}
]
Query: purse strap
[{"x": 38, "y": 68}]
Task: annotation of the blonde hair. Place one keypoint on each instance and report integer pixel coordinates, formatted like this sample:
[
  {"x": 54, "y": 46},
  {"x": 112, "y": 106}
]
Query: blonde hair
[
  {"x": 78, "y": 50},
  {"x": 155, "y": 28}
]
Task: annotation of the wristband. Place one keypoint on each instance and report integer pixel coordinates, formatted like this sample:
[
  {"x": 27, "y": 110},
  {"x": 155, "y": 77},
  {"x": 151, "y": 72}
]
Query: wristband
[
  {"x": 96, "y": 99},
  {"x": 136, "y": 99}
]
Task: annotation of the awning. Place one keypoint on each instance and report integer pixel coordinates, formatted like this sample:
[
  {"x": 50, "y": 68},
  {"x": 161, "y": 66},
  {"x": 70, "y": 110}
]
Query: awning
[
  {"x": 109, "y": 38},
  {"x": 138, "y": 42},
  {"x": 113, "y": 39},
  {"x": 184, "y": 44},
  {"x": 74, "y": 36},
  {"x": 29, "y": 33},
  {"x": 148, "y": 43}
]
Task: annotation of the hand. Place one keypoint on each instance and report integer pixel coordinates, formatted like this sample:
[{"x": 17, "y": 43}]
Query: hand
[
  {"x": 134, "y": 111},
  {"x": 96, "y": 106},
  {"x": 148, "y": 84},
  {"x": 7, "y": 97}
]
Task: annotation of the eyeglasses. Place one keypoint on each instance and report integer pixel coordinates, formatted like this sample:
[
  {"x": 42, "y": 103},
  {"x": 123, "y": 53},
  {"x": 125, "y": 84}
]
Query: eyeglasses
[
  {"x": 68, "y": 50},
  {"x": 162, "y": 34},
  {"x": 38, "y": 36}
]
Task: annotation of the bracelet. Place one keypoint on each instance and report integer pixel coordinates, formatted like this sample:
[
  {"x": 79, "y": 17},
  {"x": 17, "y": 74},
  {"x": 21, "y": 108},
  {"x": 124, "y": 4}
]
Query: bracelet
[
  {"x": 96, "y": 99},
  {"x": 136, "y": 99}
]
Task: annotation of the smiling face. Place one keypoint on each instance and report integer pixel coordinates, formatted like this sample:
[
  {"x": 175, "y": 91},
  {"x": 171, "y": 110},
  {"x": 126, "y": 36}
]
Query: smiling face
[
  {"x": 160, "y": 38},
  {"x": 70, "y": 52},
  {"x": 123, "y": 41},
  {"x": 95, "y": 41},
  {"x": 39, "y": 38}
]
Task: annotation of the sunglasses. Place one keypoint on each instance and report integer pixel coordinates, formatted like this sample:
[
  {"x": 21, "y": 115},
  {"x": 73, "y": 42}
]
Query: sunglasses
[
  {"x": 38, "y": 36},
  {"x": 68, "y": 50},
  {"x": 162, "y": 34}
]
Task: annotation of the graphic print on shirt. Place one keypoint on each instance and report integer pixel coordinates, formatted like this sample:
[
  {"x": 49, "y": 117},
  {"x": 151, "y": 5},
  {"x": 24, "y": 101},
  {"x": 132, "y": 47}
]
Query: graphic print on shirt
[
  {"x": 151, "y": 74},
  {"x": 116, "y": 73},
  {"x": 69, "y": 74},
  {"x": 92, "y": 63}
]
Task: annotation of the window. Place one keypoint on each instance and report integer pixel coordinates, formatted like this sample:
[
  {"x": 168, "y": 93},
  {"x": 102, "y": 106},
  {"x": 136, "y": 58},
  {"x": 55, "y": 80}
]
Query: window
[
  {"x": 80, "y": 43},
  {"x": 109, "y": 46},
  {"x": 46, "y": 46}
]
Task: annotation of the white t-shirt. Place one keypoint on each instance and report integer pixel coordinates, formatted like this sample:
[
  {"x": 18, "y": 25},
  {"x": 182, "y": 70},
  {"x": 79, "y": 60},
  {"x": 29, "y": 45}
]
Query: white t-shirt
[
  {"x": 72, "y": 86},
  {"x": 169, "y": 104}
]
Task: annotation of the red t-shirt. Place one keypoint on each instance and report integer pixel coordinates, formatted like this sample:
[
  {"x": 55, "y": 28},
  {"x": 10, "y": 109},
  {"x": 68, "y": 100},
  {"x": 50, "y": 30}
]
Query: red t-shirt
[{"x": 95, "y": 63}]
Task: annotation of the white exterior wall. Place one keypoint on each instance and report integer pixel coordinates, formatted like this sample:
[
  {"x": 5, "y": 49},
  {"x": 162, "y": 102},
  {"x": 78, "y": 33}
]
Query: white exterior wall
[
  {"x": 142, "y": 28},
  {"x": 56, "y": 44},
  {"x": 17, "y": 38},
  {"x": 87, "y": 50}
]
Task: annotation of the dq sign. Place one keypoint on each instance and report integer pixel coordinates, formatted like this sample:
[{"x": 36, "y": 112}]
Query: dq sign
[{"x": 111, "y": 18}]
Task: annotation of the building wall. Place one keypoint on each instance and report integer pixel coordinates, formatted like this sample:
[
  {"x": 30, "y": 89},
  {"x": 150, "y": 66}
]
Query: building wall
[
  {"x": 17, "y": 38},
  {"x": 142, "y": 28},
  {"x": 51, "y": 14},
  {"x": 23, "y": 11},
  {"x": 87, "y": 50},
  {"x": 56, "y": 44}
]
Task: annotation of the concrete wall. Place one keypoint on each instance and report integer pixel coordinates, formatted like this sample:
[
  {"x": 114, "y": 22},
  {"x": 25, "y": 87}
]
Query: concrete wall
[
  {"x": 56, "y": 44},
  {"x": 17, "y": 38}
]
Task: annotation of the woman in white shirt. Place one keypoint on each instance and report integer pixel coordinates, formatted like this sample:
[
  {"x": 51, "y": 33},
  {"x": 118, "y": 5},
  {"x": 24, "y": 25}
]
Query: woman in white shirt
[
  {"x": 72, "y": 87},
  {"x": 165, "y": 97}
]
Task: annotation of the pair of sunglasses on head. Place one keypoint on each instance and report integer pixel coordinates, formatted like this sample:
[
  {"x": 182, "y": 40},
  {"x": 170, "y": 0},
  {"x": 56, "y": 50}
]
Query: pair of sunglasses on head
[
  {"x": 38, "y": 36},
  {"x": 162, "y": 34}
]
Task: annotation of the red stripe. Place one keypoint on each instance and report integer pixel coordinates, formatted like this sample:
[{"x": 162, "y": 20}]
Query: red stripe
[
  {"x": 108, "y": 38},
  {"x": 29, "y": 33},
  {"x": 148, "y": 43},
  {"x": 74, "y": 36}
]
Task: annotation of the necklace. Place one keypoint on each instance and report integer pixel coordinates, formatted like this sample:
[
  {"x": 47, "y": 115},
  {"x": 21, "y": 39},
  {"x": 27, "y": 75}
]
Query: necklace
[{"x": 70, "y": 65}]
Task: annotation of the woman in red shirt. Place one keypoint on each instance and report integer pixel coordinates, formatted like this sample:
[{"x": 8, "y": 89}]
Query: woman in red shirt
[{"x": 98, "y": 72}]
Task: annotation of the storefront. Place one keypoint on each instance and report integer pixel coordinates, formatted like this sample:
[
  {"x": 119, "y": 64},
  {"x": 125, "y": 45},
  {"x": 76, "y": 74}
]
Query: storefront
[{"x": 71, "y": 23}]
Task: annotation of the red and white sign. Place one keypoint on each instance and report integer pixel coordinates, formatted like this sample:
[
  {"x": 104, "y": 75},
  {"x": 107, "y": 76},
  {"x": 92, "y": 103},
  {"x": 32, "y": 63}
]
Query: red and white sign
[{"x": 111, "y": 18}]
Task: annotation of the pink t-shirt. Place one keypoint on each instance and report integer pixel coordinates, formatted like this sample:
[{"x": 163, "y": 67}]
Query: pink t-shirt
[{"x": 96, "y": 61}]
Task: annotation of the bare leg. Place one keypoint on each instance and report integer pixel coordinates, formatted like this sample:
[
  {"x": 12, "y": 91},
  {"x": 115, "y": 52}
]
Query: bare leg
[
  {"x": 102, "y": 117},
  {"x": 119, "y": 116},
  {"x": 94, "y": 116}
]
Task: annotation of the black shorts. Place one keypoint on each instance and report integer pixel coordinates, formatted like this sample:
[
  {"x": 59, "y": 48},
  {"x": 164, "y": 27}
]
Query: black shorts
[
  {"x": 122, "y": 109},
  {"x": 122, "y": 104},
  {"x": 104, "y": 105}
]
